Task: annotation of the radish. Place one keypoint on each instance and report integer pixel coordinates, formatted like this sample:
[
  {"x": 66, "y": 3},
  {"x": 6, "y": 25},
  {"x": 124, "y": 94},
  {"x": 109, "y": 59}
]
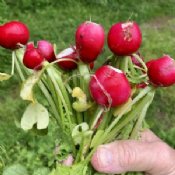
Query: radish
[
  {"x": 89, "y": 41},
  {"x": 91, "y": 65},
  {"x": 46, "y": 48},
  {"x": 68, "y": 161},
  {"x": 149, "y": 63},
  {"x": 12, "y": 34},
  {"x": 161, "y": 71},
  {"x": 33, "y": 59},
  {"x": 141, "y": 85},
  {"x": 69, "y": 53},
  {"x": 109, "y": 86},
  {"x": 124, "y": 38},
  {"x": 135, "y": 60}
]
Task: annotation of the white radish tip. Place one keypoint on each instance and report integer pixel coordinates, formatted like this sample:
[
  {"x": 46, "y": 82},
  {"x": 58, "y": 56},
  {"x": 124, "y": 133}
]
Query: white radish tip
[
  {"x": 126, "y": 24},
  {"x": 115, "y": 69},
  {"x": 66, "y": 52},
  {"x": 166, "y": 55},
  {"x": 87, "y": 22},
  {"x": 68, "y": 161}
]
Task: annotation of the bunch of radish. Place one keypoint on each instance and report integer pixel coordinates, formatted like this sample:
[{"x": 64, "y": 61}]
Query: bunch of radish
[{"x": 91, "y": 105}]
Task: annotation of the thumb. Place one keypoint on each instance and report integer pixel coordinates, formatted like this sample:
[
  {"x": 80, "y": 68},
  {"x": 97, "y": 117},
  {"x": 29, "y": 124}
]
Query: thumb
[{"x": 122, "y": 156}]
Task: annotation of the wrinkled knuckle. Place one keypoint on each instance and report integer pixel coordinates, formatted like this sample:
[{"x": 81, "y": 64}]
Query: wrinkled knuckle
[{"x": 126, "y": 155}]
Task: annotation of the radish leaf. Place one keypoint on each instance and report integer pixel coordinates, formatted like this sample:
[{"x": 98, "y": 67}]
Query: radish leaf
[
  {"x": 27, "y": 87},
  {"x": 35, "y": 114},
  {"x": 4, "y": 76}
]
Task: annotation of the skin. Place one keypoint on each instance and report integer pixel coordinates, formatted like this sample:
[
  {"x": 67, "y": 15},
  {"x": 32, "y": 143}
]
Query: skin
[{"x": 150, "y": 155}]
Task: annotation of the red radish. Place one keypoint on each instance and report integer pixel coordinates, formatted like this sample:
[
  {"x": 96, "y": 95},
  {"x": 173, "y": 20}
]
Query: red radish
[
  {"x": 149, "y": 63},
  {"x": 89, "y": 41},
  {"x": 33, "y": 59},
  {"x": 69, "y": 53},
  {"x": 12, "y": 34},
  {"x": 46, "y": 48},
  {"x": 141, "y": 85},
  {"x": 109, "y": 86},
  {"x": 161, "y": 71},
  {"x": 91, "y": 65},
  {"x": 30, "y": 45},
  {"x": 68, "y": 161},
  {"x": 135, "y": 61},
  {"x": 124, "y": 38}
]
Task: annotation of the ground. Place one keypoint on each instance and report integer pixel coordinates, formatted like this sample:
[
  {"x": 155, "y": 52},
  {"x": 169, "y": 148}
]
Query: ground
[{"x": 56, "y": 21}]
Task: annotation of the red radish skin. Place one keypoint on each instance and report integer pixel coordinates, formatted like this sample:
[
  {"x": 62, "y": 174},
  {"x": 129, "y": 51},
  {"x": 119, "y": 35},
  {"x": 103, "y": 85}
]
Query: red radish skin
[
  {"x": 141, "y": 85},
  {"x": 46, "y": 48},
  {"x": 124, "y": 38},
  {"x": 89, "y": 39},
  {"x": 109, "y": 87},
  {"x": 161, "y": 71},
  {"x": 149, "y": 63},
  {"x": 69, "y": 53},
  {"x": 33, "y": 59},
  {"x": 30, "y": 45},
  {"x": 91, "y": 65},
  {"x": 12, "y": 34}
]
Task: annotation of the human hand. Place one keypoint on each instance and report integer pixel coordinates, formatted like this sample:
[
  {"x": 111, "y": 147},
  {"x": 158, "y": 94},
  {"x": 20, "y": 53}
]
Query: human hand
[{"x": 150, "y": 155}]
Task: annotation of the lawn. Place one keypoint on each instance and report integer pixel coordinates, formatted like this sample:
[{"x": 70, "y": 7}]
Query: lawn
[{"x": 56, "y": 21}]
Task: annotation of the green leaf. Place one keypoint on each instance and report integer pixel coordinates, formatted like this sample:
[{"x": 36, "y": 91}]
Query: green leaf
[
  {"x": 81, "y": 104},
  {"x": 124, "y": 108},
  {"x": 35, "y": 113},
  {"x": 28, "y": 85},
  {"x": 16, "y": 169},
  {"x": 20, "y": 54},
  {"x": 77, "y": 169},
  {"x": 41, "y": 171},
  {"x": 79, "y": 131},
  {"x": 4, "y": 76}
]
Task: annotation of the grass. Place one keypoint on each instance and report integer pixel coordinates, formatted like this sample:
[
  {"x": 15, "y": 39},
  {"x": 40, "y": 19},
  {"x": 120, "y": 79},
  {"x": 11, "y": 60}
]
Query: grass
[{"x": 56, "y": 21}]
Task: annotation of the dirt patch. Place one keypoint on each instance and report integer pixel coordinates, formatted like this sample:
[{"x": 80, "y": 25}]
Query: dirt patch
[{"x": 160, "y": 22}]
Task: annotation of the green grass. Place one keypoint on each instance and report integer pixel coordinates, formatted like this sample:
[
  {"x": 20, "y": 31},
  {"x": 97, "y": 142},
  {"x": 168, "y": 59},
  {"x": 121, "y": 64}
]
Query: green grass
[{"x": 56, "y": 21}]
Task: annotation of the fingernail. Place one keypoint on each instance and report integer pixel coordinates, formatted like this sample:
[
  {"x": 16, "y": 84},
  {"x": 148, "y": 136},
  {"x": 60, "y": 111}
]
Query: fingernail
[{"x": 104, "y": 157}]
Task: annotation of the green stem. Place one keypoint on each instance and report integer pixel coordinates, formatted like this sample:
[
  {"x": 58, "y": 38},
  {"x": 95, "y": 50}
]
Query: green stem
[
  {"x": 61, "y": 84},
  {"x": 13, "y": 62},
  {"x": 79, "y": 117},
  {"x": 106, "y": 119},
  {"x": 78, "y": 157},
  {"x": 131, "y": 67},
  {"x": 141, "y": 61},
  {"x": 21, "y": 75},
  {"x": 60, "y": 95},
  {"x": 124, "y": 64},
  {"x": 50, "y": 101},
  {"x": 84, "y": 83},
  {"x": 55, "y": 98},
  {"x": 128, "y": 117},
  {"x": 96, "y": 117},
  {"x": 85, "y": 78},
  {"x": 75, "y": 83},
  {"x": 139, "y": 122}
]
